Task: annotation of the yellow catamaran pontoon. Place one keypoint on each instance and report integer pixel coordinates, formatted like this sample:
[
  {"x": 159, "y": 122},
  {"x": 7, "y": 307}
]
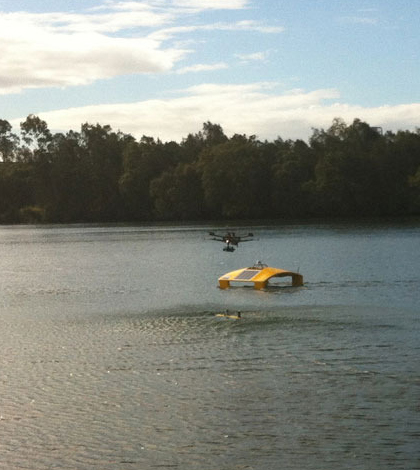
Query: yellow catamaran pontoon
[{"x": 259, "y": 274}]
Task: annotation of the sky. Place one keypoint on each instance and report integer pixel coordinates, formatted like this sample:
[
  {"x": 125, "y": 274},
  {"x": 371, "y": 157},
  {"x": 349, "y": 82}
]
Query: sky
[{"x": 161, "y": 68}]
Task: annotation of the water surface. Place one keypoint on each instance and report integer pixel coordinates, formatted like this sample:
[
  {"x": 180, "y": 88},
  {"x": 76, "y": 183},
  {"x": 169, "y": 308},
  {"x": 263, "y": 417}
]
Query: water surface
[{"x": 113, "y": 358}]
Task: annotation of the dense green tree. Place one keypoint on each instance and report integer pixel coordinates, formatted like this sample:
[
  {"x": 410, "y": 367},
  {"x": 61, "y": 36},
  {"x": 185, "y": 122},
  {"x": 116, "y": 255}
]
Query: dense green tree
[
  {"x": 236, "y": 179},
  {"x": 36, "y": 152},
  {"x": 295, "y": 166},
  {"x": 414, "y": 185},
  {"x": 191, "y": 147},
  {"x": 177, "y": 194},
  {"x": 103, "y": 154},
  {"x": 213, "y": 134},
  {"x": 16, "y": 190},
  {"x": 397, "y": 167},
  {"x": 346, "y": 182},
  {"x": 71, "y": 179},
  {"x": 8, "y": 142},
  {"x": 134, "y": 184},
  {"x": 37, "y": 137},
  {"x": 144, "y": 161},
  {"x": 98, "y": 175}
]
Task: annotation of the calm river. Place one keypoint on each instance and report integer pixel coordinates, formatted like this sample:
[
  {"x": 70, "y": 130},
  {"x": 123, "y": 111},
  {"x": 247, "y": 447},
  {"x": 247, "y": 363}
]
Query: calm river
[{"x": 112, "y": 356}]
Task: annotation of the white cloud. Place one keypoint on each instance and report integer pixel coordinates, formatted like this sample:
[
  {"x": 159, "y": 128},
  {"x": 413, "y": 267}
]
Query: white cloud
[
  {"x": 212, "y": 4},
  {"x": 202, "y": 68},
  {"x": 108, "y": 22},
  {"x": 67, "y": 49},
  {"x": 49, "y": 50},
  {"x": 250, "y": 109},
  {"x": 253, "y": 57},
  {"x": 167, "y": 33},
  {"x": 75, "y": 59},
  {"x": 360, "y": 20},
  {"x": 189, "y": 4},
  {"x": 251, "y": 25}
]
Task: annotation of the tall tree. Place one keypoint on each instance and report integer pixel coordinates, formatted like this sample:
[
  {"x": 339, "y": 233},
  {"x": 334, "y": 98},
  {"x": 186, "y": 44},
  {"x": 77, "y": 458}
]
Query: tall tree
[
  {"x": 236, "y": 180},
  {"x": 213, "y": 134},
  {"x": 36, "y": 152},
  {"x": 177, "y": 194},
  {"x": 143, "y": 162},
  {"x": 8, "y": 142},
  {"x": 294, "y": 168},
  {"x": 103, "y": 151},
  {"x": 71, "y": 180},
  {"x": 37, "y": 137},
  {"x": 345, "y": 176},
  {"x": 16, "y": 190}
]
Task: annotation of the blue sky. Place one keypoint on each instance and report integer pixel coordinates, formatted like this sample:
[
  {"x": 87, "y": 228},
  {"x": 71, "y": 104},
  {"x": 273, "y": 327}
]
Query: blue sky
[{"x": 163, "y": 67}]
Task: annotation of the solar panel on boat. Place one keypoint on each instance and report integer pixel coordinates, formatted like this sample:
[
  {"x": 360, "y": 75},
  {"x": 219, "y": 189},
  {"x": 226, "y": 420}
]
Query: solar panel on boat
[{"x": 246, "y": 275}]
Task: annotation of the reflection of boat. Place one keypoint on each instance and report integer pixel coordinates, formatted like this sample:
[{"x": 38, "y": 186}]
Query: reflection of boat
[{"x": 259, "y": 274}]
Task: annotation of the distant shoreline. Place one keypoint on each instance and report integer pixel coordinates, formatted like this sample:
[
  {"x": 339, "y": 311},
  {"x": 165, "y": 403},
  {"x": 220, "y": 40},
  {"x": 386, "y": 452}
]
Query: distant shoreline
[
  {"x": 263, "y": 223},
  {"x": 102, "y": 176}
]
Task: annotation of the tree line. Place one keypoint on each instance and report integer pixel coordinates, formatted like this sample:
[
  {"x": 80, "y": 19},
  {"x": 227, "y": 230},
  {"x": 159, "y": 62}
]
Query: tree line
[{"x": 99, "y": 175}]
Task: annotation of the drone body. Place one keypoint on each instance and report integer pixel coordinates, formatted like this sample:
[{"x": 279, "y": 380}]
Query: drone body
[{"x": 231, "y": 240}]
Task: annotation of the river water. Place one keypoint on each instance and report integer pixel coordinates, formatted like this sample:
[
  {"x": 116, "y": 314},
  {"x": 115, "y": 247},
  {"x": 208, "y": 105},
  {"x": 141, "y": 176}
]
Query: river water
[{"x": 113, "y": 358}]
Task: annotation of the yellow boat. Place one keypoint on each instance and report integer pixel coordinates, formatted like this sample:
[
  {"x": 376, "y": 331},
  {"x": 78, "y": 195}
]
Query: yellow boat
[{"x": 259, "y": 274}]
